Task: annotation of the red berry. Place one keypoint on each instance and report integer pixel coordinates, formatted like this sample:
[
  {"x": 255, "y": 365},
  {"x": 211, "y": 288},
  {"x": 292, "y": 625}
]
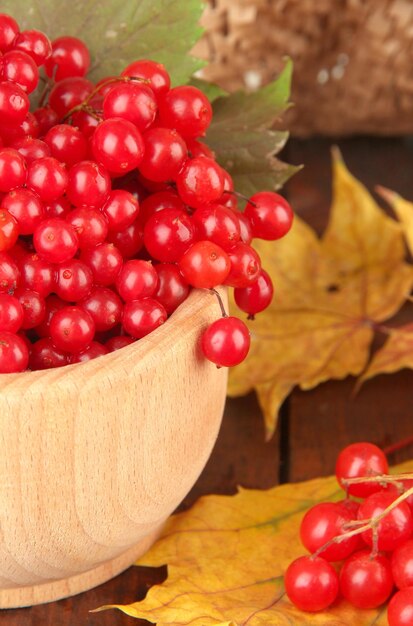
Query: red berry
[
  {"x": 55, "y": 240},
  {"x": 104, "y": 307},
  {"x": 70, "y": 57},
  {"x": 366, "y": 580},
  {"x": 9, "y": 230},
  {"x": 172, "y": 288},
  {"x": 72, "y": 329},
  {"x": 34, "y": 43},
  {"x": 74, "y": 280},
  {"x": 31, "y": 148},
  {"x": 141, "y": 317},
  {"x": 89, "y": 184},
  {"x": 245, "y": 266},
  {"x": 105, "y": 261},
  {"x": 9, "y": 273},
  {"x": 402, "y": 565},
  {"x": 33, "y": 305},
  {"x": 200, "y": 182},
  {"x": 131, "y": 101},
  {"x": 137, "y": 279},
  {"x": 218, "y": 224},
  {"x": 53, "y": 303},
  {"x": 226, "y": 342},
  {"x": 11, "y": 313},
  {"x": 26, "y": 208},
  {"x": 118, "y": 145},
  {"x": 168, "y": 234},
  {"x": 116, "y": 343},
  {"x": 14, "y": 104},
  {"x": 323, "y": 522},
  {"x": 46, "y": 118},
  {"x": 120, "y": 209},
  {"x": 165, "y": 154},
  {"x": 159, "y": 201},
  {"x": 9, "y": 29},
  {"x": 29, "y": 127},
  {"x": 67, "y": 144},
  {"x": 358, "y": 460},
  {"x": 400, "y": 609},
  {"x": 68, "y": 93},
  {"x": 14, "y": 354},
  {"x": 311, "y": 583},
  {"x": 128, "y": 241},
  {"x": 151, "y": 71},
  {"x": 19, "y": 68},
  {"x": 257, "y": 296},
  {"x": 94, "y": 350},
  {"x": 37, "y": 274},
  {"x": 205, "y": 265},
  {"x": 270, "y": 214},
  {"x": 394, "y": 528},
  {"x": 13, "y": 170},
  {"x": 48, "y": 178},
  {"x": 90, "y": 226},
  {"x": 45, "y": 355},
  {"x": 186, "y": 109}
]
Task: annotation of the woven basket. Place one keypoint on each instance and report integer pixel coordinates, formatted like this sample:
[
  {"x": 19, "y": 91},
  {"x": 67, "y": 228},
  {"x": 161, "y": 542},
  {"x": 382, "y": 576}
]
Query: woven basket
[{"x": 353, "y": 59}]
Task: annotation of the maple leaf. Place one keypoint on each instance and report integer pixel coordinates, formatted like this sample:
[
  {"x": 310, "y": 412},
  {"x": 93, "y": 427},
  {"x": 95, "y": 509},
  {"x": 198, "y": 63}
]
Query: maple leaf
[
  {"x": 330, "y": 293},
  {"x": 226, "y": 558}
]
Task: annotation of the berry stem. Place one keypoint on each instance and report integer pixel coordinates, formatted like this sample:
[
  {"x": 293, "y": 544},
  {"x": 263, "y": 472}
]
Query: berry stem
[
  {"x": 380, "y": 479},
  {"x": 399, "y": 445},
  {"x": 221, "y": 304},
  {"x": 238, "y": 194}
]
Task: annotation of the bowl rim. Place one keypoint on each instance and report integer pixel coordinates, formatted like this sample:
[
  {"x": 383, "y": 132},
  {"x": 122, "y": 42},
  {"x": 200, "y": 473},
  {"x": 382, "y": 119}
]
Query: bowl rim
[{"x": 189, "y": 315}]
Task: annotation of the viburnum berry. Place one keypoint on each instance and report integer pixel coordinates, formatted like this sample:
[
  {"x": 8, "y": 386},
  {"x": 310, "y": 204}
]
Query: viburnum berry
[
  {"x": 9, "y": 29},
  {"x": 11, "y": 313},
  {"x": 270, "y": 214},
  {"x": 205, "y": 265},
  {"x": 255, "y": 297},
  {"x": 55, "y": 240},
  {"x": 73, "y": 280},
  {"x": 117, "y": 145},
  {"x": 89, "y": 184},
  {"x": 37, "y": 274},
  {"x": 118, "y": 342},
  {"x": 104, "y": 306},
  {"x": 46, "y": 118},
  {"x": 14, "y": 354},
  {"x": 94, "y": 350},
  {"x": 137, "y": 279},
  {"x": 9, "y": 273},
  {"x": 44, "y": 355},
  {"x": 218, "y": 224},
  {"x": 128, "y": 241},
  {"x": 33, "y": 305},
  {"x": 31, "y": 148},
  {"x": 26, "y": 208},
  {"x": 105, "y": 261},
  {"x": 90, "y": 225},
  {"x": 366, "y": 580},
  {"x": 9, "y": 230},
  {"x": 72, "y": 329},
  {"x": 358, "y": 460},
  {"x": 132, "y": 101},
  {"x": 159, "y": 201},
  {"x": 226, "y": 342},
  {"x": 48, "y": 178},
  {"x": 68, "y": 93},
  {"x": 168, "y": 234},
  {"x": 245, "y": 265},
  {"x": 400, "y": 609},
  {"x": 200, "y": 182},
  {"x": 187, "y": 110},
  {"x": 70, "y": 57},
  {"x": 34, "y": 43},
  {"x": 394, "y": 528},
  {"x": 172, "y": 288},
  {"x": 311, "y": 583},
  {"x": 14, "y": 103},
  {"x": 29, "y": 127},
  {"x": 165, "y": 153},
  {"x": 155, "y": 73},
  {"x": 402, "y": 565},
  {"x": 13, "y": 169},
  {"x": 120, "y": 209},
  {"x": 67, "y": 144},
  {"x": 53, "y": 303},
  {"x": 141, "y": 317},
  {"x": 19, "y": 68}
]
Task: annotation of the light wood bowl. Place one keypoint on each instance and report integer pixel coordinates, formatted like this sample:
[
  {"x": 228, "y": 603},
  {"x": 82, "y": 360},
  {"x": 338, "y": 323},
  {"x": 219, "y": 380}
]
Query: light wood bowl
[{"x": 94, "y": 457}]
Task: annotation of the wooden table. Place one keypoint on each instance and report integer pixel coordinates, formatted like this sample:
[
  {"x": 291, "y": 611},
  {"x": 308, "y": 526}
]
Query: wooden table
[{"x": 314, "y": 425}]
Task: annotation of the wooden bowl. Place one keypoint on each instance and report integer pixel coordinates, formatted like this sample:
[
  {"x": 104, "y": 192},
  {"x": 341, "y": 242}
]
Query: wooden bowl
[{"x": 95, "y": 457}]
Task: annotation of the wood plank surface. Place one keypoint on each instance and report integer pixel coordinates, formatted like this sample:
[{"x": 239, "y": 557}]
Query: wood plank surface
[{"x": 314, "y": 424}]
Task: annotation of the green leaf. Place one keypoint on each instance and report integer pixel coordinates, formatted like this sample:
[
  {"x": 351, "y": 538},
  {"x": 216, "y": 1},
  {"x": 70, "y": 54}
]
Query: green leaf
[
  {"x": 211, "y": 90},
  {"x": 241, "y": 135},
  {"x": 117, "y": 33}
]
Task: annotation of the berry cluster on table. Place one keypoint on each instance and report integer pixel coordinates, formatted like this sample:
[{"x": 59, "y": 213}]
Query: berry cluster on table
[
  {"x": 361, "y": 547},
  {"x": 112, "y": 209}
]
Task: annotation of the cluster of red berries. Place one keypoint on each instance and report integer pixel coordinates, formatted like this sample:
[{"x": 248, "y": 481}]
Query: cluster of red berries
[
  {"x": 371, "y": 537},
  {"x": 111, "y": 209}
]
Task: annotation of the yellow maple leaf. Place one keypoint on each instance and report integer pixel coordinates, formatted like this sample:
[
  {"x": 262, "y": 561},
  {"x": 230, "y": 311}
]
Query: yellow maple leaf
[
  {"x": 226, "y": 558},
  {"x": 329, "y": 295}
]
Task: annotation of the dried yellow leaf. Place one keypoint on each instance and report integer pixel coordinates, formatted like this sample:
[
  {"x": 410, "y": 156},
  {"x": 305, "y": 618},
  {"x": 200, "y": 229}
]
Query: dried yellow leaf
[
  {"x": 226, "y": 558},
  {"x": 329, "y": 295}
]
